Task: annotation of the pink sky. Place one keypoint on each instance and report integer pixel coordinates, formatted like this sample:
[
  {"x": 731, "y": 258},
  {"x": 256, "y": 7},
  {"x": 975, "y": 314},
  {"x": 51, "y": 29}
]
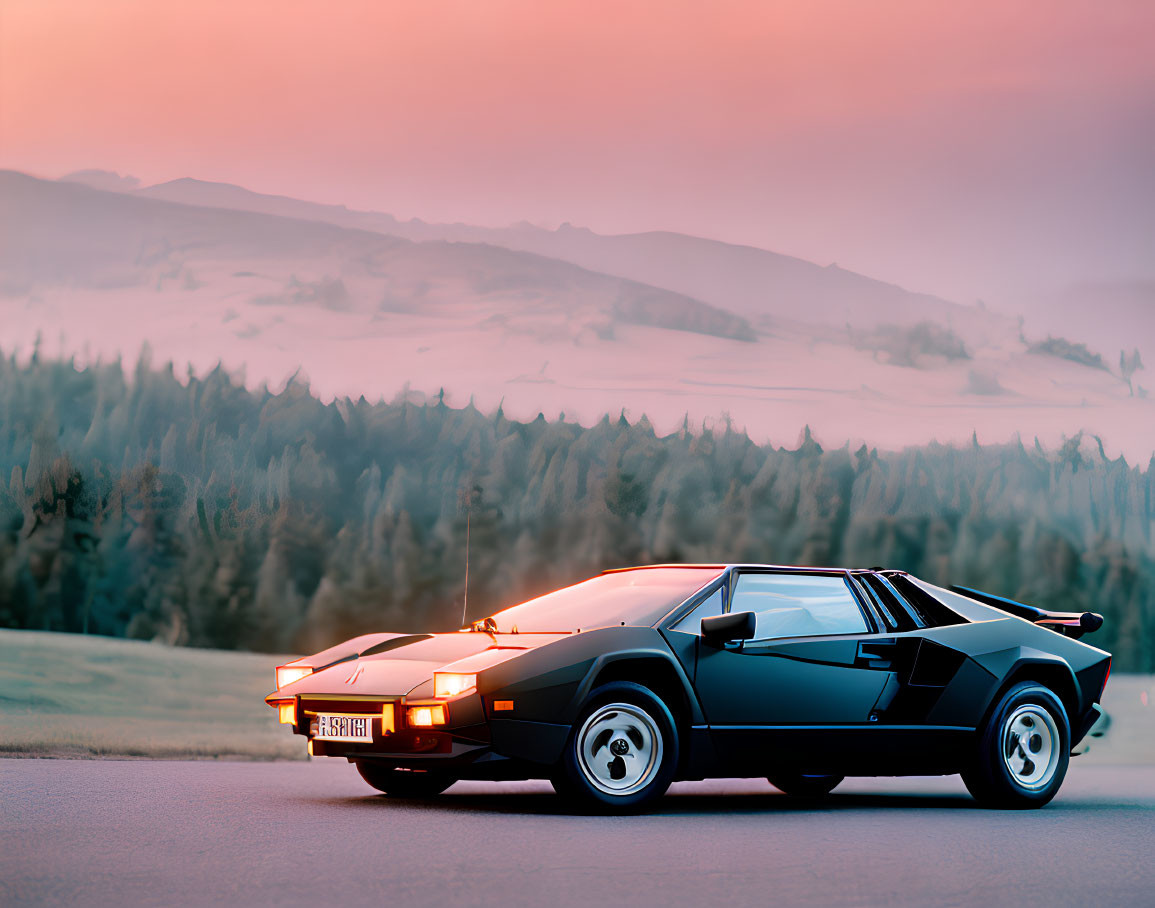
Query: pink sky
[{"x": 977, "y": 149}]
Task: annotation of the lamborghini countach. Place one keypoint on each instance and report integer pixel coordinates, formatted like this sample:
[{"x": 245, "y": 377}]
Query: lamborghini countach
[{"x": 619, "y": 685}]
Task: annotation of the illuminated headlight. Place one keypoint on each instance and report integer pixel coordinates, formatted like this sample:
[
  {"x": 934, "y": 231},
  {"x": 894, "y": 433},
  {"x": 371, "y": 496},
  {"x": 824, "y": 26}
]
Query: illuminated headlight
[
  {"x": 425, "y": 716},
  {"x": 450, "y": 684},
  {"x": 287, "y": 712},
  {"x": 287, "y": 674}
]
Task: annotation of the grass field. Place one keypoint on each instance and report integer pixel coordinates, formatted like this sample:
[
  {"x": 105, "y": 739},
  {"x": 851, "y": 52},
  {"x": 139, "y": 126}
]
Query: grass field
[{"x": 71, "y": 695}]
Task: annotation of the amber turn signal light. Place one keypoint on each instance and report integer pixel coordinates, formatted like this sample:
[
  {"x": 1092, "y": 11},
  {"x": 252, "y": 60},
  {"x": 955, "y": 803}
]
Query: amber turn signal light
[
  {"x": 388, "y": 720},
  {"x": 287, "y": 713},
  {"x": 502, "y": 705},
  {"x": 425, "y": 716}
]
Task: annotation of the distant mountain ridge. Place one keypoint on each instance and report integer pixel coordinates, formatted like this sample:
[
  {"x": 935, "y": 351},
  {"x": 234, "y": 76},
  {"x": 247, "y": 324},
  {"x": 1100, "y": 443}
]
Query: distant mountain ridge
[
  {"x": 366, "y": 305},
  {"x": 190, "y": 191},
  {"x": 68, "y": 232},
  {"x": 757, "y": 284}
]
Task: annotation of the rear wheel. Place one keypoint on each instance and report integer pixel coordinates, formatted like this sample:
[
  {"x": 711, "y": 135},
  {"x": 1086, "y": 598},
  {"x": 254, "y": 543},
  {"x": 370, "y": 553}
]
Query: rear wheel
[
  {"x": 800, "y": 785},
  {"x": 622, "y": 752},
  {"x": 404, "y": 783},
  {"x": 1023, "y": 751}
]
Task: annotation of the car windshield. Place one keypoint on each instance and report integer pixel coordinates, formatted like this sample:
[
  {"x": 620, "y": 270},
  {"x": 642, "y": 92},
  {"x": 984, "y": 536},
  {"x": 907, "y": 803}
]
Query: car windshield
[{"x": 638, "y": 597}]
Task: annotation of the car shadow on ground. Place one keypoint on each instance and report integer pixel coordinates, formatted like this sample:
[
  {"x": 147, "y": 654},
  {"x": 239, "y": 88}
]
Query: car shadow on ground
[
  {"x": 709, "y": 799},
  {"x": 675, "y": 804}
]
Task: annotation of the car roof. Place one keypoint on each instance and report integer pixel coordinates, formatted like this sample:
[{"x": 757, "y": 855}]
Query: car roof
[{"x": 726, "y": 566}]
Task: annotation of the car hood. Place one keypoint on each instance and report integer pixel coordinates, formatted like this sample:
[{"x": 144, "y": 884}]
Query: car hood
[{"x": 402, "y": 670}]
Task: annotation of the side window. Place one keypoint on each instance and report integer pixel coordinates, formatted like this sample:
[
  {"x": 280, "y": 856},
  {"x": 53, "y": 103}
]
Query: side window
[
  {"x": 932, "y": 612},
  {"x": 798, "y": 605},
  {"x": 692, "y": 623}
]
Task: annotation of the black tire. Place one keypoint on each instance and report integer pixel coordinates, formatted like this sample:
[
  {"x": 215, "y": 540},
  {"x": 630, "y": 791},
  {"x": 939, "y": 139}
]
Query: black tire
[
  {"x": 622, "y": 752},
  {"x": 404, "y": 783},
  {"x": 1022, "y": 752},
  {"x": 798, "y": 785}
]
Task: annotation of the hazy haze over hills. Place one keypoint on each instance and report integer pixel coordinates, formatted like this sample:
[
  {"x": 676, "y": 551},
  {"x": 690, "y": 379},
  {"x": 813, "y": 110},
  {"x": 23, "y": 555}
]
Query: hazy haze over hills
[
  {"x": 552, "y": 321},
  {"x": 758, "y": 284},
  {"x": 753, "y": 282},
  {"x": 103, "y": 240}
]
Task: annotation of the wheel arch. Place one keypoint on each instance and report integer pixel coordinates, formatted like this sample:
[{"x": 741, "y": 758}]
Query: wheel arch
[
  {"x": 660, "y": 674},
  {"x": 653, "y": 669},
  {"x": 1052, "y": 673}
]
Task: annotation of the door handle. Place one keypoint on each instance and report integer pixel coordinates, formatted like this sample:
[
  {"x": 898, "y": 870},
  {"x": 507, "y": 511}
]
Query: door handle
[{"x": 877, "y": 653}]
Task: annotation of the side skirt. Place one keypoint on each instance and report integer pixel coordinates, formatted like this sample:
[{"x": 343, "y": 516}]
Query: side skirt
[{"x": 848, "y": 750}]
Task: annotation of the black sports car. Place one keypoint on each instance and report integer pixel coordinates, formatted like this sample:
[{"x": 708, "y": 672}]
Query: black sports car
[{"x": 619, "y": 685}]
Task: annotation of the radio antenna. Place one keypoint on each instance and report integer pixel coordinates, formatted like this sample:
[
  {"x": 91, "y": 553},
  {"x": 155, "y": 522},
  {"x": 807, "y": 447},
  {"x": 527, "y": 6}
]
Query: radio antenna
[{"x": 465, "y": 604}]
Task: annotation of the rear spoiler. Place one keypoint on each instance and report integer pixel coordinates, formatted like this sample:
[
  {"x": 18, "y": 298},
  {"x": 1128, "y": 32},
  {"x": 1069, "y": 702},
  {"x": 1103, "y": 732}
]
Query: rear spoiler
[{"x": 1072, "y": 624}]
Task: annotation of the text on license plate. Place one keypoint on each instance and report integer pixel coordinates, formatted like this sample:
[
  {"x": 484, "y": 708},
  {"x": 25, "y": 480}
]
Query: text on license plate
[{"x": 343, "y": 728}]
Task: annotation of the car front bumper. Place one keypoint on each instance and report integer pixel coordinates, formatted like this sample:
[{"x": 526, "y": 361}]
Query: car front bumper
[{"x": 463, "y": 745}]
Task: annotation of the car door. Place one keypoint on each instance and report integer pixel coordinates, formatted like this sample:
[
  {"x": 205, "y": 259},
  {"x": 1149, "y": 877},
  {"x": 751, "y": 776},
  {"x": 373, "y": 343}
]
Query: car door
[{"x": 815, "y": 669}]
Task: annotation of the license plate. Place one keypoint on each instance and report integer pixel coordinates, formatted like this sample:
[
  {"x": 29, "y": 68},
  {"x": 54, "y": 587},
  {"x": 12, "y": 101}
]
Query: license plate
[{"x": 343, "y": 728}]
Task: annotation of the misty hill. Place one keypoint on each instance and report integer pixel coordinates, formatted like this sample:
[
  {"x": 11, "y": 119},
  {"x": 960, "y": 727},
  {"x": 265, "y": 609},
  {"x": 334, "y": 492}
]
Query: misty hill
[
  {"x": 189, "y": 191},
  {"x": 759, "y": 284},
  {"x": 361, "y": 310},
  {"x": 69, "y": 234},
  {"x": 102, "y": 179},
  {"x": 763, "y": 286},
  {"x": 65, "y": 233}
]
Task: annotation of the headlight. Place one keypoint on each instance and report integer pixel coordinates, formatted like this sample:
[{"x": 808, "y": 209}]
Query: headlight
[
  {"x": 287, "y": 712},
  {"x": 425, "y": 716},
  {"x": 450, "y": 684},
  {"x": 287, "y": 674}
]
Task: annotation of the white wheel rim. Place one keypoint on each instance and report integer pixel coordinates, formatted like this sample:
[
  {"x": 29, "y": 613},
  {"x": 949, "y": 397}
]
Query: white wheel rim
[
  {"x": 1030, "y": 746},
  {"x": 619, "y": 749}
]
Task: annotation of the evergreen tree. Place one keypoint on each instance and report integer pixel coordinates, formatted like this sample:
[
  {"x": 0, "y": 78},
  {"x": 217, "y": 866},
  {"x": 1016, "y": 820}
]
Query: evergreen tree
[{"x": 198, "y": 512}]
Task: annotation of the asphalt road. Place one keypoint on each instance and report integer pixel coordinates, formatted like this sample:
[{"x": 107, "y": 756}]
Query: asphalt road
[{"x": 201, "y": 833}]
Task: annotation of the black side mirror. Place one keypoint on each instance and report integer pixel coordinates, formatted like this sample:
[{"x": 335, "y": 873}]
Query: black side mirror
[{"x": 721, "y": 629}]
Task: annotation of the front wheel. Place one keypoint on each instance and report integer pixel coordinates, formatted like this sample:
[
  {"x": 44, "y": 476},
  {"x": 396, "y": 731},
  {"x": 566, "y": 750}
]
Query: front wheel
[
  {"x": 800, "y": 785},
  {"x": 404, "y": 783},
  {"x": 622, "y": 752},
  {"x": 1023, "y": 751}
]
